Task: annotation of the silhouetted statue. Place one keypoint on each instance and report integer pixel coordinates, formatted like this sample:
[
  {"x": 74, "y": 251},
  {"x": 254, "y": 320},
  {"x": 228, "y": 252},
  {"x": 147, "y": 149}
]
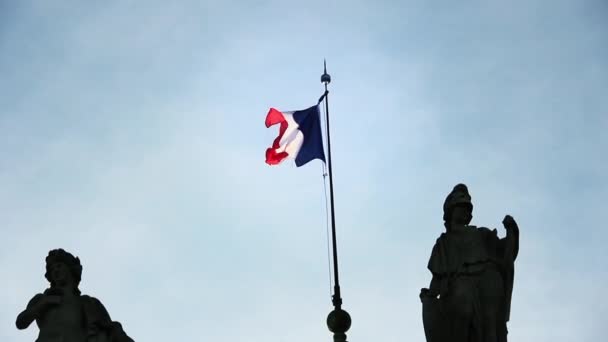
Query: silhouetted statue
[
  {"x": 469, "y": 297},
  {"x": 62, "y": 313}
]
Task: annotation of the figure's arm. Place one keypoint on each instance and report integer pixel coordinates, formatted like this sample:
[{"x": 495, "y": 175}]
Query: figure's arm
[
  {"x": 436, "y": 261},
  {"x": 97, "y": 315},
  {"x": 511, "y": 240},
  {"x": 36, "y": 306},
  {"x": 434, "y": 288},
  {"x": 105, "y": 322},
  {"x": 27, "y": 316}
]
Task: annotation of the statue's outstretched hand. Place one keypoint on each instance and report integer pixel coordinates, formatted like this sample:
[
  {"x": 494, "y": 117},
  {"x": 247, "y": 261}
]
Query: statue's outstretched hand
[
  {"x": 44, "y": 303},
  {"x": 427, "y": 294},
  {"x": 509, "y": 222}
]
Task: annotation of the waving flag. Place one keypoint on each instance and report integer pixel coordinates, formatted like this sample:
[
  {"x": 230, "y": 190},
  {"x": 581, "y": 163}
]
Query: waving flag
[{"x": 299, "y": 136}]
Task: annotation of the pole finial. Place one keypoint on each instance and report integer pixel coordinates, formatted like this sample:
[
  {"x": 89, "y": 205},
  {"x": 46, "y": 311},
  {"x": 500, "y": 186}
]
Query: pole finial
[
  {"x": 325, "y": 78},
  {"x": 338, "y": 322}
]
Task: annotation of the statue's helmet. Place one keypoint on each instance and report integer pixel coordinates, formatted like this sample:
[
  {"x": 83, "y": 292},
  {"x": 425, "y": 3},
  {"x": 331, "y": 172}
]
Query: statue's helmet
[
  {"x": 458, "y": 196},
  {"x": 72, "y": 262}
]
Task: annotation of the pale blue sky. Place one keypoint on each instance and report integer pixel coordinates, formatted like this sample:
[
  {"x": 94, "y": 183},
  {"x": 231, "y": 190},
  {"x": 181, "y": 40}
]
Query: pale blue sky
[{"x": 132, "y": 134}]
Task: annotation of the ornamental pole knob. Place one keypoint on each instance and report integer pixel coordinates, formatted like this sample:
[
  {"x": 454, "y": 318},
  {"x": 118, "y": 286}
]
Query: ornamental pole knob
[{"x": 338, "y": 322}]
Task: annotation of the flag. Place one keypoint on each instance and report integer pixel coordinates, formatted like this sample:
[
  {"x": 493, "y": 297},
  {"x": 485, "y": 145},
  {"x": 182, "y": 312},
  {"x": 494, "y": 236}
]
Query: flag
[{"x": 299, "y": 136}]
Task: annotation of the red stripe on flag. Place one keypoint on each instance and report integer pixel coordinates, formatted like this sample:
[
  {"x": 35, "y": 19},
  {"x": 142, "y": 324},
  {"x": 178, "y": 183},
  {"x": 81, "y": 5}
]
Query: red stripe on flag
[{"x": 272, "y": 118}]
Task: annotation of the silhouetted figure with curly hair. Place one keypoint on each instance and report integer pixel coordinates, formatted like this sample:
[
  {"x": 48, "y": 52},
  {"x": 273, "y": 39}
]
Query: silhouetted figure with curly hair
[{"x": 62, "y": 313}]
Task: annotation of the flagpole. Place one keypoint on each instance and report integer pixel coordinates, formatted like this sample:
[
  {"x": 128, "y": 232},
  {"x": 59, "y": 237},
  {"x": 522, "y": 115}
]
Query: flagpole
[{"x": 338, "y": 321}]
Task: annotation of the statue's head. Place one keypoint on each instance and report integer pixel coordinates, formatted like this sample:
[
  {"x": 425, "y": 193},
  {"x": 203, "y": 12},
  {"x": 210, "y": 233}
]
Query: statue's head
[
  {"x": 63, "y": 268},
  {"x": 457, "y": 207}
]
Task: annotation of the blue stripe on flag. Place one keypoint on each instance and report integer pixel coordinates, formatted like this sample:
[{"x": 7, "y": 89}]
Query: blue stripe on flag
[{"x": 309, "y": 124}]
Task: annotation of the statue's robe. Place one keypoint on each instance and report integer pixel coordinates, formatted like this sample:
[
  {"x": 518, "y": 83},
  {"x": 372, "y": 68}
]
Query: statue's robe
[
  {"x": 96, "y": 324},
  {"x": 467, "y": 266}
]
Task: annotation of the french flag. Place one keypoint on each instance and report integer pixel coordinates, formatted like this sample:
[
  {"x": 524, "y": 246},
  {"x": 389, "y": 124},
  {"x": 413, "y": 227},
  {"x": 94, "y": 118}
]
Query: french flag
[{"x": 299, "y": 136}]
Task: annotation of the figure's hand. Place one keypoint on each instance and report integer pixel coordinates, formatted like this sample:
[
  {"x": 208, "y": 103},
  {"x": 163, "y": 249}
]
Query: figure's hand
[
  {"x": 427, "y": 293},
  {"x": 35, "y": 308},
  {"x": 424, "y": 293},
  {"x": 46, "y": 302},
  {"x": 509, "y": 222}
]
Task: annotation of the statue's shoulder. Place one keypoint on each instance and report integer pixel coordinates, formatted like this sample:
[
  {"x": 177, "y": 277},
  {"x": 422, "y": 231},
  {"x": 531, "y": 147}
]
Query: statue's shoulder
[
  {"x": 34, "y": 299},
  {"x": 442, "y": 238},
  {"x": 94, "y": 308},
  {"x": 488, "y": 231},
  {"x": 488, "y": 234},
  {"x": 90, "y": 300}
]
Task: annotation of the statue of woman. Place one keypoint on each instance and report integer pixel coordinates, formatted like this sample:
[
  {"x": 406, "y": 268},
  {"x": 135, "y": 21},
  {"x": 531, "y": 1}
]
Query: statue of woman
[
  {"x": 469, "y": 297},
  {"x": 62, "y": 313}
]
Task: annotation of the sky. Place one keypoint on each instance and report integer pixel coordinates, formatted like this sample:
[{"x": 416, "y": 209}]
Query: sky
[{"x": 132, "y": 135}]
